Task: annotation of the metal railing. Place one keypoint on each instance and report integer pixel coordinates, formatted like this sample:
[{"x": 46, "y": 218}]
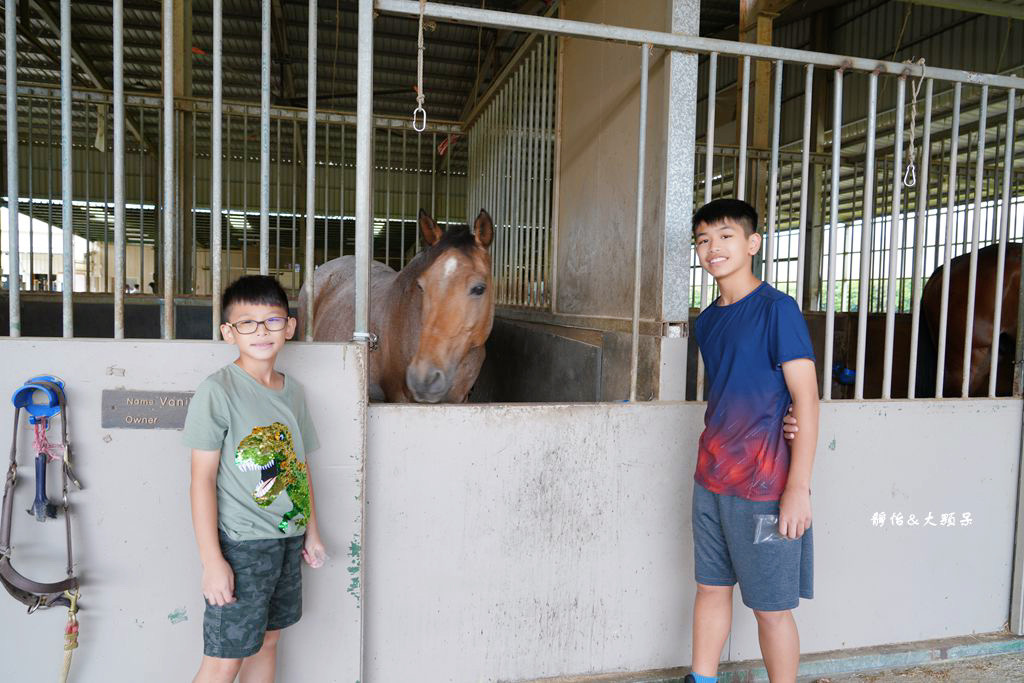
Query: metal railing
[{"x": 511, "y": 171}]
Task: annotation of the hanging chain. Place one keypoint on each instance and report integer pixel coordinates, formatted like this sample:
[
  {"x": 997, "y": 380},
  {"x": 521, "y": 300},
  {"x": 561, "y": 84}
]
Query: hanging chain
[
  {"x": 910, "y": 175},
  {"x": 419, "y": 114}
]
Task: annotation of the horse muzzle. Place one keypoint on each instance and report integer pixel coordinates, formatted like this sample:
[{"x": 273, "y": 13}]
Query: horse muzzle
[{"x": 428, "y": 384}]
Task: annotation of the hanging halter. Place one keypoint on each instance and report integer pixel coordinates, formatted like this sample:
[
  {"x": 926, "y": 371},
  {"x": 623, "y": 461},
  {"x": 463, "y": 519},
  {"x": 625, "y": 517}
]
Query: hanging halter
[{"x": 35, "y": 594}]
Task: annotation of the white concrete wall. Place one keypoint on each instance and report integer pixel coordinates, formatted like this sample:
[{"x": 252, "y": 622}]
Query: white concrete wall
[
  {"x": 134, "y": 546},
  {"x": 514, "y": 542}
]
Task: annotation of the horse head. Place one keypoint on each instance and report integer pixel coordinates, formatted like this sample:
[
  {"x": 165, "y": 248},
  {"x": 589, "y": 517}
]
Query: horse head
[{"x": 456, "y": 304}]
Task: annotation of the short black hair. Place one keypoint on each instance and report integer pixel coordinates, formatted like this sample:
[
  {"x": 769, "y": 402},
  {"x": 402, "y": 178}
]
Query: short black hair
[
  {"x": 254, "y": 289},
  {"x": 720, "y": 209}
]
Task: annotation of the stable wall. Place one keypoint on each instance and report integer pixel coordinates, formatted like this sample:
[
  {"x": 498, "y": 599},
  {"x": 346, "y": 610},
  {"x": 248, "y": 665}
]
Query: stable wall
[
  {"x": 141, "y": 606},
  {"x": 509, "y": 543}
]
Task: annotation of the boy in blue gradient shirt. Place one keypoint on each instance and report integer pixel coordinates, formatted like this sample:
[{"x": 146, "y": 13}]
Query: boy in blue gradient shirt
[{"x": 759, "y": 361}]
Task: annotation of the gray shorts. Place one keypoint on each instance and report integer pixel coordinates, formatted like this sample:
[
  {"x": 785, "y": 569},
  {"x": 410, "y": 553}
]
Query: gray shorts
[
  {"x": 773, "y": 576},
  {"x": 268, "y": 595}
]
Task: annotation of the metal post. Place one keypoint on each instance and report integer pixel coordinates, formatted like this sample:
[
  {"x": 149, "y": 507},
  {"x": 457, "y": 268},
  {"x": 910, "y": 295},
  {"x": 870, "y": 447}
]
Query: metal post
[
  {"x": 709, "y": 157},
  {"x": 830, "y": 297},
  {"x": 641, "y": 155},
  {"x": 310, "y": 164},
  {"x": 364, "y": 168},
  {"x": 67, "y": 215},
  {"x": 119, "y": 198},
  {"x": 265, "y": 140},
  {"x": 168, "y": 165},
  {"x": 867, "y": 227},
  {"x": 895, "y": 227},
  {"x": 1004, "y": 229},
  {"x": 954, "y": 144},
  {"x": 773, "y": 182},
  {"x": 741, "y": 181},
  {"x": 405, "y": 202},
  {"x": 805, "y": 167},
  {"x": 216, "y": 165},
  {"x": 387, "y": 195},
  {"x": 972, "y": 280},
  {"x": 13, "y": 223},
  {"x": 920, "y": 223}
]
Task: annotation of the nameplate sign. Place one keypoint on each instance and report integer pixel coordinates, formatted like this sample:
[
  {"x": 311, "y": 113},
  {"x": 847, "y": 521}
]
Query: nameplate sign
[{"x": 131, "y": 409}]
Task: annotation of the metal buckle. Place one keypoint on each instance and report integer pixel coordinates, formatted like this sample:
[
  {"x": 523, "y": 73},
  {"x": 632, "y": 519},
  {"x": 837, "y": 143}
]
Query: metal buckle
[{"x": 372, "y": 340}]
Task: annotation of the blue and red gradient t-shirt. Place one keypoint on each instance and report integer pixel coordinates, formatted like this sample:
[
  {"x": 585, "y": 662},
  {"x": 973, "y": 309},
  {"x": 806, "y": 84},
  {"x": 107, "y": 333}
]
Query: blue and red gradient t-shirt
[{"x": 742, "y": 451}]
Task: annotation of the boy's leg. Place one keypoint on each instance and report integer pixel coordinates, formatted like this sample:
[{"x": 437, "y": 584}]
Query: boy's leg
[
  {"x": 780, "y": 644},
  {"x": 712, "y": 619},
  {"x": 217, "y": 670},
  {"x": 714, "y": 574},
  {"x": 262, "y": 666}
]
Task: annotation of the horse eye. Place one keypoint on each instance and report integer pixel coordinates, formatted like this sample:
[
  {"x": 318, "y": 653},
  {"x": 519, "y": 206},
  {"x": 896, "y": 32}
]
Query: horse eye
[{"x": 478, "y": 290}]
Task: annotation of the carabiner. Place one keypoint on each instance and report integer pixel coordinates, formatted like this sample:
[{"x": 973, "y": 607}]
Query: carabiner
[{"x": 421, "y": 120}]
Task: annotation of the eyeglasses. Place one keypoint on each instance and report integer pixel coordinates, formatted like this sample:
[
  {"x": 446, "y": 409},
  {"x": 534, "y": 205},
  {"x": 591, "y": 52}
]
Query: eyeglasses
[{"x": 250, "y": 326}]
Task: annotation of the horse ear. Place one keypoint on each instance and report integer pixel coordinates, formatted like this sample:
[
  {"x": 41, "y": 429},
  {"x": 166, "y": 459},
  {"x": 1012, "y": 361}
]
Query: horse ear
[
  {"x": 483, "y": 229},
  {"x": 428, "y": 226}
]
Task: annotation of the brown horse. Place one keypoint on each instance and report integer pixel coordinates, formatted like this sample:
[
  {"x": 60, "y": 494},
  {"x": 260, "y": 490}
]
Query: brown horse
[
  {"x": 983, "y": 343},
  {"x": 431, "y": 319}
]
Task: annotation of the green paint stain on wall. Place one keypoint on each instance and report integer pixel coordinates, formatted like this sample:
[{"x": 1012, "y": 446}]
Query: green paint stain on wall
[
  {"x": 832, "y": 445},
  {"x": 354, "y": 552},
  {"x": 177, "y": 616}
]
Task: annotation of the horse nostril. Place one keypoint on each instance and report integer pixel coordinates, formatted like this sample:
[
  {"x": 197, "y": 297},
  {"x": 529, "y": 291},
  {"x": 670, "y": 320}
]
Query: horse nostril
[{"x": 435, "y": 381}]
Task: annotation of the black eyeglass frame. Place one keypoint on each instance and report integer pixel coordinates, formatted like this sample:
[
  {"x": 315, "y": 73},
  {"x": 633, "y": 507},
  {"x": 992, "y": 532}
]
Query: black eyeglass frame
[{"x": 257, "y": 323}]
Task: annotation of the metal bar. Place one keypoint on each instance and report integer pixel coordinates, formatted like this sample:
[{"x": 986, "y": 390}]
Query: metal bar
[
  {"x": 830, "y": 298},
  {"x": 49, "y": 198},
  {"x": 364, "y": 168},
  {"x": 387, "y": 199},
  {"x": 641, "y": 160},
  {"x": 192, "y": 256},
  {"x": 741, "y": 183},
  {"x": 327, "y": 182},
  {"x": 433, "y": 176},
  {"x": 920, "y": 223},
  {"x": 448, "y": 183},
  {"x": 419, "y": 186},
  {"x": 805, "y": 167},
  {"x": 227, "y": 179},
  {"x": 168, "y": 165},
  {"x": 773, "y": 182},
  {"x": 245, "y": 191},
  {"x": 106, "y": 211},
  {"x": 294, "y": 169},
  {"x": 265, "y": 139},
  {"x": 951, "y": 214},
  {"x": 972, "y": 281},
  {"x": 1004, "y": 229},
  {"x": 13, "y": 221},
  {"x": 277, "y": 204},
  {"x": 709, "y": 158},
  {"x": 867, "y": 227},
  {"x": 671, "y": 41},
  {"x": 142, "y": 202},
  {"x": 550, "y": 167},
  {"x": 895, "y": 227},
  {"x": 556, "y": 165},
  {"x": 310, "y": 164},
  {"x": 216, "y": 167},
  {"x": 405, "y": 200},
  {"x": 119, "y": 151},
  {"x": 88, "y": 154},
  {"x": 31, "y": 218},
  {"x": 66, "y": 141},
  {"x": 531, "y": 175},
  {"x": 341, "y": 231}
]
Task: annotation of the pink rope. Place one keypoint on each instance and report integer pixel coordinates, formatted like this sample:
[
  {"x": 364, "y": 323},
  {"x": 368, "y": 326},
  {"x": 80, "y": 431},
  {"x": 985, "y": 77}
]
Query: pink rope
[{"x": 42, "y": 444}]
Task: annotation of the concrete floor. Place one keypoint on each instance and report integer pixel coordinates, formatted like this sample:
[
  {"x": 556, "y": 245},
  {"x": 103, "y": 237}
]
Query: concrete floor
[{"x": 1001, "y": 668}]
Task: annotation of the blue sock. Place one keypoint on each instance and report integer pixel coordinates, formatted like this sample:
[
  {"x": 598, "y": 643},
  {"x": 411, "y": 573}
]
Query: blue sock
[{"x": 703, "y": 679}]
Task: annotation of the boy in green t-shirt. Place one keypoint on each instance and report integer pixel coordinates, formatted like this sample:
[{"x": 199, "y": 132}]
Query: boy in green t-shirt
[{"x": 252, "y": 492}]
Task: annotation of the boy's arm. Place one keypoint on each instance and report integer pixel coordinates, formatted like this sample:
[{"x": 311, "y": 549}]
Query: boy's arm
[
  {"x": 218, "y": 579},
  {"x": 795, "y": 504},
  {"x": 313, "y": 550}
]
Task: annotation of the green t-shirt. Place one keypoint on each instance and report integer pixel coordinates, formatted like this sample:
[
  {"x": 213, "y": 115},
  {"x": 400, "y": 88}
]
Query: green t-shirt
[{"x": 263, "y": 436}]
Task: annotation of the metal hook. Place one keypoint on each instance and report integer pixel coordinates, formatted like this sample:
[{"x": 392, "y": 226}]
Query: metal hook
[{"x": 419, "y": 119}]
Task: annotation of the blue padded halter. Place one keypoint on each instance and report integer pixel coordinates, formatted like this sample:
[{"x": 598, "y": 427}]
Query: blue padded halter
[{"x": 37, "y": 412}]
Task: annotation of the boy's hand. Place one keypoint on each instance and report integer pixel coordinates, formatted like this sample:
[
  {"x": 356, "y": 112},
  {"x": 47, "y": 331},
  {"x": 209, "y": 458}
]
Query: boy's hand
[
  {"x": 789, "y": 426},
  {"x": 313, "y": 551},
  {"x": 794, "y": 512},
  {"x": 218, "y": 583}
]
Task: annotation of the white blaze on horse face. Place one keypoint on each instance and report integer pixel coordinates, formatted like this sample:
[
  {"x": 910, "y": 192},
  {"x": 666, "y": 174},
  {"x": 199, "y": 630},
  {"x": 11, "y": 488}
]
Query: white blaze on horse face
[{"x": 450, "y": 266}]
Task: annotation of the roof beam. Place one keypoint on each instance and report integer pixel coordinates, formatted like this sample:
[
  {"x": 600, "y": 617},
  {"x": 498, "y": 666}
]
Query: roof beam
[
  {"x": 989, "y": 7},
  {"x": 51, "y": 19}
]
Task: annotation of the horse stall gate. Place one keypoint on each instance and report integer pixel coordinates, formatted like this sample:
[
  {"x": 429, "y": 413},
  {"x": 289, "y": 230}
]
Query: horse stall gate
[{"x": 509, "y": 539}]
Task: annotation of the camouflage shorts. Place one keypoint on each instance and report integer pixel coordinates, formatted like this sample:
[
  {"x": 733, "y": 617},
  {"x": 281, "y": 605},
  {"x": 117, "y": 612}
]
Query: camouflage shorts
[{"x": 268, "y": 596}]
